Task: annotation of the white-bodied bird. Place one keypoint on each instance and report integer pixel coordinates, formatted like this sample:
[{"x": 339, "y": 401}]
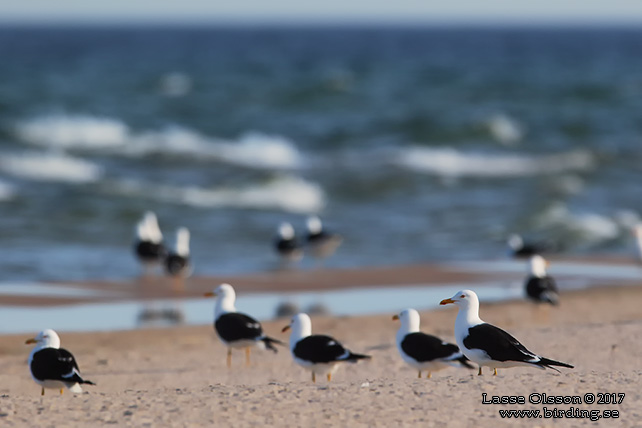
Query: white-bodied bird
[
  {"x": 488, "y": 345},
  {"x": 148, "y": 245},
  {"x": 177, "y": 262},
  {"x": 235, "y": 329},
  {"x": 422, "y": 351},
  {"x": 286, "y": 244},
  {"x": 53, "y": 367},
  {"x": 316, "y": 352},
  {"x": 540, "y": 287},
  {"x": 321, "y": 243}
]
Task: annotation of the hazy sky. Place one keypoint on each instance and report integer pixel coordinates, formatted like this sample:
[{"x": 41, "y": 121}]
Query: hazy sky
[{"x": 442, "y": 11}]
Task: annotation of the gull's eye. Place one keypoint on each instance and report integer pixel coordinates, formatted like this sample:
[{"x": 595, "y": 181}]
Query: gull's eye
[
  {"x": 45, "y": 337},
  {"x": 463, "y": 296}
]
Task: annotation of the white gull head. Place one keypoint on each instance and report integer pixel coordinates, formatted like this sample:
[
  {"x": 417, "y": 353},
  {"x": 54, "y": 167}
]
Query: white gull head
[
  {"x": 225, "y": 298},
  {"x": 182, "y": 242},
  {"x": 46, "y": 339},
  {"x": 152, "y": 229},
  {"x": 468, "y": 315},
  {"x": 301, "y": 327},
  {"x": 409, "y": 321},
  {"x": 314, "y": 225},
  {"x": 537, "y": 266},
  {"x": 286, "y": 231}
]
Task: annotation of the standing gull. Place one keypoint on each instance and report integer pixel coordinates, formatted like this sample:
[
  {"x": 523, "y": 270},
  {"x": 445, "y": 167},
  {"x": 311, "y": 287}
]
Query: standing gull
[
  {"x": 177, "y": 262},
  {"x": 422, "y": 351},
  {"x": 541, "y": 287},
  {"x": 488, "y": 345},
  {"x": 53, "y": 367},
  {"x": 287, "y": 245},
  {"x": 149, "y": 246},
  {"x": 321, "y": 243},
  {"x": 235, "y": 329},
  {"x": 318, "y": 353}
]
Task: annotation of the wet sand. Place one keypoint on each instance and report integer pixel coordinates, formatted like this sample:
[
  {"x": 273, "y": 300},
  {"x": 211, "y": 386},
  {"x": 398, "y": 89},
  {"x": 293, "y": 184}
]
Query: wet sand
[
  {"x": 425, "y": 274},
  {"x": 178, "y": 377}
]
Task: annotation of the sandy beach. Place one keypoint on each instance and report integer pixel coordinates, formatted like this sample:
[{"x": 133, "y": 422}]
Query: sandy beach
[{"x": 178, "y": 377}]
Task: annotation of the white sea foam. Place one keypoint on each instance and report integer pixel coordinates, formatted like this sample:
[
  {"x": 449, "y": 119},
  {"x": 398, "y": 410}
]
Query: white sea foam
[
  {"x": 73, "y": 131},
  {"x": 448, "y": 162},
  {"x": 111, "y": 136},
  {"x": 50, "y": 167},
  {"x": 590, "y": 227},
  {"x": 254, "y": 150},
  {"x": 287, "y": 193}
]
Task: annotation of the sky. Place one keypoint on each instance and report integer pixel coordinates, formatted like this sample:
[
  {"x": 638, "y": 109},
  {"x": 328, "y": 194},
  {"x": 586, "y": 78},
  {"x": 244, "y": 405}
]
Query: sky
[{"x": 325, "y": 11}]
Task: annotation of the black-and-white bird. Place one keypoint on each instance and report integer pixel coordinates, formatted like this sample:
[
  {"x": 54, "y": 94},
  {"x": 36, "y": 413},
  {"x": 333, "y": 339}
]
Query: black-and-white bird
[
  {"x": 53, "y": 367},
  {"x": 177, "y": 262},
  {"x": 422, "y": 351},
  {"x": 316, "y": 352},
  {"x": 520, "y": 249},
  {"x": 320, "y": 242},
  {"x": 488, "y": 345},
  {"x": 235, "y": 329},
  {"x": 286, "y": 244},
  {"x": 148, "y": 246},
  {"x": 541, "y": 287}
]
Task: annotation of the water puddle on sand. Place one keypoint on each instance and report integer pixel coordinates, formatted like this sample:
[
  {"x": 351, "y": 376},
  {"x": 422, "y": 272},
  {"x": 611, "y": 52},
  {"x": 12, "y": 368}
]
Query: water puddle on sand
[
  {"x": 347, "y": 302},
  {"x": 343, "y": 302},
  {"x": 50, "y": 290}
]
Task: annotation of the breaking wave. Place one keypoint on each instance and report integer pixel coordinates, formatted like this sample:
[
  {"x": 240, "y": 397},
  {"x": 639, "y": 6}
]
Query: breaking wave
[
  {"x": 289, "y": 194},
  {"x": 50, "y": 167},
  {"x": 588, "y": 227},
  {"x": 111, "y": 136},
  {"x": 253, "y": 150},
  {"x": 73, "y": 132},
  {"x": 449, "y": 162}
]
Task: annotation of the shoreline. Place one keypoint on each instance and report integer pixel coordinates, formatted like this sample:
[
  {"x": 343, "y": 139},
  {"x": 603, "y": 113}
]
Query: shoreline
[
  {"x": 62, "y": 293},
  {"x": 177, "y": 376}
]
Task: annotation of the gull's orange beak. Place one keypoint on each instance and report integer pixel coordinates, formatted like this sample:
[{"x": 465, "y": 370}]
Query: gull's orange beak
[
  {"x": 395, "y": 317},
  {"x": 446, "y": 301},
  {"x": 284, "y": 329},
  {"x": 210, "y": 294},
  {"x": 30, "y": 341}
]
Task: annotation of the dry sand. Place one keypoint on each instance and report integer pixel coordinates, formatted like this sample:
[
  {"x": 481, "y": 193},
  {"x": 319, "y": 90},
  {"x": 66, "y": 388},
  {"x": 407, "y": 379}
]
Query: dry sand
[{"x": 177, "y": 377}]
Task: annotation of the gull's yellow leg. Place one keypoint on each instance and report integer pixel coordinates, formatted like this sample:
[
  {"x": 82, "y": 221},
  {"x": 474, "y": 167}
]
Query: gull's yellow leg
[
  {"x": 229, "y": 358},
  {"x": 495, "y": 372},
  {"x": 419, "y": 374},
  {"x": 314, "y": 379},
  {"x": 329, "y": 377},
  {"x": 43, "y": 391},
  {"x": 61, "y": 391},
  {"x": 479, "y": 374},
  {"x": 247, "y": 356},
  {"x": 429, "y": 375}
]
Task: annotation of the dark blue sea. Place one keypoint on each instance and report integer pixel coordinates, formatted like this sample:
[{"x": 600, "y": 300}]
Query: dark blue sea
[{"x": 417, "y": 144}]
